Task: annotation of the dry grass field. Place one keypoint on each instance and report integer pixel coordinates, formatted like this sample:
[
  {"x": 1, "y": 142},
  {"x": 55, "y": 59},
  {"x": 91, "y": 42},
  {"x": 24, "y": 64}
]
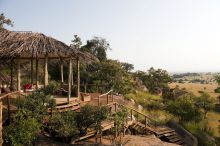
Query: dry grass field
[{"x": 196, "y": 87}]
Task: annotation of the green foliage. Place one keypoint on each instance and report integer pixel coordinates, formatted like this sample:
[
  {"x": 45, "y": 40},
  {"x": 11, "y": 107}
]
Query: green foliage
[
  {"x": 22, "y": 131},
  {"x": 173, "y": 93},
  {"x": 50, "y": 89},
  {"x": 91, "y": 116},
  {"x": 217, "y": 90},
  {"x": 108, "y": 74},
  {"x": 206, "y": 102},
  {"x": 76, "y": 42},
  {"x": 154, "y": 79},
  {"x": 217, "y": 79},
  {"x": 36, "y": 105},
  {"x": 98, "y": 47},
  {"x": 120, "y": 118},
  {"x": 202, "y": 132},
  {"x": 184, "y": 109},
  {"x": 4, "y": 20},
  {"x": 63, "y": 125}
]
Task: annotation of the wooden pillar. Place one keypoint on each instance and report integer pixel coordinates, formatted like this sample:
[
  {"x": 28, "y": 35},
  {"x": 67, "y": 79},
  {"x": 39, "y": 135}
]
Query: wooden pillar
[
  {"x": 112, "y": 96},
  {"x": 145, "y": 121},
  {"x": 98, "y": 100},
  {"x": 11, "y": 83},
  {"x": 131, "y": 114},
  {"x": 37, "y": 74},
  {"x": 115, "y": 107},
  {"x": 8, "y": 106},
  {"x": 107, "y": 98},
  {"x": 78, "y": 78},
  {"x": 61, "y": 71},
  {"x": 32, "y": 71},
  {"x": 46, "y": 70},
  {"x": 18, "y": 75},
  {"x": 69, "y": 79},
  {"x": 1, "y": 138}
]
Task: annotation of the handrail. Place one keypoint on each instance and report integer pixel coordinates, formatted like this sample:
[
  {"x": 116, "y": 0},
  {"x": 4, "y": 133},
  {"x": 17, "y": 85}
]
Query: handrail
[
  {"x": 138, "y": 112},
  {"x": 106, "y": 94},
  {"x": 8, "y": 94}
]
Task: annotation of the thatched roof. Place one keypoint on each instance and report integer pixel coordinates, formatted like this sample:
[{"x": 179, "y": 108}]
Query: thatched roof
[{"x": 36, "y": 45}]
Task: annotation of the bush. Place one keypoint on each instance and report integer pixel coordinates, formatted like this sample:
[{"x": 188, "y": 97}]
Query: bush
[
  {"x": 184, "y": 109},
  {"x": 63, "y": 125},
  {"x": 22, "y": 131},
  {"x": 91, "y": 116},
  {"x": 217, "y": 90}
]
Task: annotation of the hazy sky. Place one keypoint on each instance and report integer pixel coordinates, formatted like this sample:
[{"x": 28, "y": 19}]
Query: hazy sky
[{"x": 176, "y": 35}]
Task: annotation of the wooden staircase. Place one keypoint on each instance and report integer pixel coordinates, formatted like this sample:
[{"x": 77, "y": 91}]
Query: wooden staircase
[{"x": 164, "y": 133}]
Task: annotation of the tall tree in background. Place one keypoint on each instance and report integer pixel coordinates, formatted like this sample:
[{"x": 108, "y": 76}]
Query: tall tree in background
[
  {"x": 98, "y": 47},
  {"x": 154, "y": 79},
  {"x": 4, "y": 20},
  {"x": 76, "y": 42}
]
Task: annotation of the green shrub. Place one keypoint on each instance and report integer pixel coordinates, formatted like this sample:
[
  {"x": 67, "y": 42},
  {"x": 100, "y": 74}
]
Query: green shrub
[
  {"x": 22, "y": 130},
  {"x": 63, "y": 125},
  {"x": 91, "y": 116},
  {"x": 184, "y": 109}
]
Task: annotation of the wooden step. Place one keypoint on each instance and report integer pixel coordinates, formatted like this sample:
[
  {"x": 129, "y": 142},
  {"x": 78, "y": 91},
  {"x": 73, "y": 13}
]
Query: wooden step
[
  {"x": 175, "y": 139},
  {"x": 164, "y": 132}
]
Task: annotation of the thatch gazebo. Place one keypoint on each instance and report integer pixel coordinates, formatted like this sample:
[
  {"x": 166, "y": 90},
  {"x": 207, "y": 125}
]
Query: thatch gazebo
[{"x": 17, "y": 46}]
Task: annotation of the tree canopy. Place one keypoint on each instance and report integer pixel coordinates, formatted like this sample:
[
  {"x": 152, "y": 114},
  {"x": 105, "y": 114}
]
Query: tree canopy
[{"x": 5, "y": 21}]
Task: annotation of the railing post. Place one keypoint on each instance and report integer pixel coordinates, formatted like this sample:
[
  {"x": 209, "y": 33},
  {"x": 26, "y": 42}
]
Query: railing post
[
  {"x": 115, "y": 107},
  {"x": 8, "y": 105},
  {"x": 107, "y": 98},
  {"x": 145, "y": 121},
  {"x": 1, "y": 139},
  {"x": 131, "y": 115},
  {"x": 112, "y": 95},
  {"x": 98, "y": 100}
]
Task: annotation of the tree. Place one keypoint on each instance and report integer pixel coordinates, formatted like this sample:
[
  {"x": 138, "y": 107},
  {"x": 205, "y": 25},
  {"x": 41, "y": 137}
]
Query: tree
[
  {"x": 154, "y": 79},
  {"x": 76, "y": 42},
  {"x": 4, "y": 20},
  {"x": 127, "y": 66},
  {"x": 98, "y": 47},
  {"x": 217, "y": 79},
  {"x": 91, "y": 115},
  {"x": 63, "y": 125},
  {"x": 184, "y": 108},
  {"x": 206, "y": 102},
  {"x": 22, "y": 131}
]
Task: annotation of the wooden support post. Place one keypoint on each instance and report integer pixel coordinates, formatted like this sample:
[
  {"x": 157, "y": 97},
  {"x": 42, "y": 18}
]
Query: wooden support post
[
  {"x": 8, "y": 106},
  {"x": 112, "y": 96},
  {"x": 32, "y": 71},
  {"x": 115, "y": 107},
  {"x": 69, "y": 80},
  {"x": 37, "y": 73},
  {"x": 107, "y": 98},
  {"x": 131, "y": 115},
  {"x": 61, "y": 71},
  {"x": 18, "y": 75},
  {"x": 98, "y": 100},
  {"x": 46, "y": 70},
  {"x": 145, "y": 121},
  {"x": 78, "y": 78},
  {"x": 1, "y": 138},
  {"x": 12, "y": 83}
]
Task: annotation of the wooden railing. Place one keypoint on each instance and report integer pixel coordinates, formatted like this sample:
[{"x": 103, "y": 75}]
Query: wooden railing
[
  {"x": 109, "y": 93},
  {"x": 148, "y": 121}
]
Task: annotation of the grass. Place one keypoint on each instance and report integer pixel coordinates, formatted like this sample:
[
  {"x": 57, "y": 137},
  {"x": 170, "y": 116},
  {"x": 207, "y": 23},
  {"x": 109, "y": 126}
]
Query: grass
[
  {"x": 196, "y": 87},
  {"x": 213, "y": 122}
]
